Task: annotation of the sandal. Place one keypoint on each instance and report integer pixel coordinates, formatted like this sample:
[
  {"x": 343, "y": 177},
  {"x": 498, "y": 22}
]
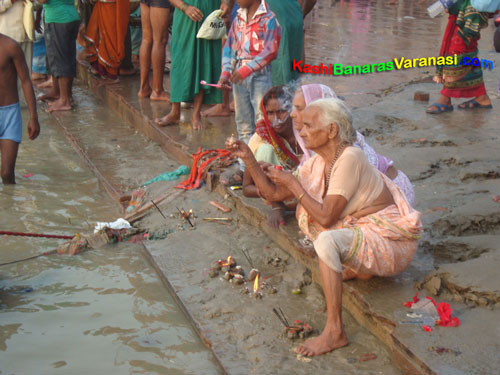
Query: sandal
[
  {"x": 472, "y": 104},
  {"x": 440, "y": 108}
]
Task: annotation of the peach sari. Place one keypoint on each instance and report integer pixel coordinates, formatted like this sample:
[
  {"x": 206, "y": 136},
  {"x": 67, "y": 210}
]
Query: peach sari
[{"x": 384, "y": 243}]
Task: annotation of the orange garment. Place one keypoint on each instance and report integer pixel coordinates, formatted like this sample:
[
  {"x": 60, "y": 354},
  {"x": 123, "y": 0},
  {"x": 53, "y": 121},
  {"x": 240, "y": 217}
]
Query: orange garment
[
  {"x": 384, "y": 242},
  {"x": 106, "y": 33}
]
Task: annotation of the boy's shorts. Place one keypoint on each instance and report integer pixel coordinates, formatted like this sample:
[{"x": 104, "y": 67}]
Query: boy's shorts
[{"x": 11, "y": 123}]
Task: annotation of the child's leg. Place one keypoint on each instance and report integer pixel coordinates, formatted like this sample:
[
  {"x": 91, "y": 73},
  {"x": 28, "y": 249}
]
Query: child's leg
[
  {"x": 260, "y": 84},
  {"x": 244, "y": 114},
  {"x": 8, "y": 148}
]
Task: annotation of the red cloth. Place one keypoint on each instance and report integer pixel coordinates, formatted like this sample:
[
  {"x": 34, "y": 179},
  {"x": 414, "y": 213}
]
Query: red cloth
[{"x": 194, "y": 179}]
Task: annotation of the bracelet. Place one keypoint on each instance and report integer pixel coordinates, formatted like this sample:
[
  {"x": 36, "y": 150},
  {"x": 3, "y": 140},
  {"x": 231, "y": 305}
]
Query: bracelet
[
  {"x": 183, "y": 7},
  {"x": 301, "y": 196},
  {"x": 277, "y": 208}
]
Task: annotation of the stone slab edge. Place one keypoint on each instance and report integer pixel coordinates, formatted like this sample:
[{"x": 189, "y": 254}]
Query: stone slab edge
[{"x": 380, "y": 326}]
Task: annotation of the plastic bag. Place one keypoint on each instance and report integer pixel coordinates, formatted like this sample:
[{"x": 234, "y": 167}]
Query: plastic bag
[
  {"x": 490, "y": 6},
  {"x": 213, "y": 27}
]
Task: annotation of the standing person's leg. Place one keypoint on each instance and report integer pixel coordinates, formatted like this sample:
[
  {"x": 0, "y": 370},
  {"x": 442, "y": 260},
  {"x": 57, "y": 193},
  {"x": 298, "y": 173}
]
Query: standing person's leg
[
  {"x": 145, "y": 51},
  {"x": 244, "y": 114},
  {"x": 160, "y": 18},
  {"x": 8, "y": 149},
  {"x": 50, "y": 45},
  {"x": 65, "y": 68},
  {"x": 196, "y": 117}
]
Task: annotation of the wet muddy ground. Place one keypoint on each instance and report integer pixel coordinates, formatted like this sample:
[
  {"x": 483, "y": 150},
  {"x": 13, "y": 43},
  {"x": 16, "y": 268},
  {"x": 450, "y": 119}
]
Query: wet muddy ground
[{"x": 243, "y": 332}]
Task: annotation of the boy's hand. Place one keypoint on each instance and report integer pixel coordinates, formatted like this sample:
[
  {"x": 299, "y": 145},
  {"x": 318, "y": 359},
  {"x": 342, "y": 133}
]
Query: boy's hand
[
  {"x": 226, "y": 11},
  {"x": 236, "y": 78},
  {"x": 33, "y": 128},
  {"x": 224, "y": 83},
  {"x": 194, "y": 13}
]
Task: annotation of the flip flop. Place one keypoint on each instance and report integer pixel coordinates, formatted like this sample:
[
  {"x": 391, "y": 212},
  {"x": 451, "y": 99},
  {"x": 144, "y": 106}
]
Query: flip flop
[
  {"x": 472, "y": 104},
  {"x": 440, "y": 108}
]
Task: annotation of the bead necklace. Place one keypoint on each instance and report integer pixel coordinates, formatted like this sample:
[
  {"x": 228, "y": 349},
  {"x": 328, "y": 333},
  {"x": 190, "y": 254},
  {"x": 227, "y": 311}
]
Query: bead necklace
[{"x": 337, "y": 154}]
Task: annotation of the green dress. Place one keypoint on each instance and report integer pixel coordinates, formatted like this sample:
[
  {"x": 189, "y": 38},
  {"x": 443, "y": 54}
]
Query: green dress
[
  {"x": 194, "y": 59},
  {"x": 289, "y": 15}
]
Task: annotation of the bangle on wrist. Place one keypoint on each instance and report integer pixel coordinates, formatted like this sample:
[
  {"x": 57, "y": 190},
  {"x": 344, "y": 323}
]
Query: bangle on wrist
[
  {"x": 277, "y": 208},
  {"x": 183, "y": 7},
  {"x": 301, "y": 196}
]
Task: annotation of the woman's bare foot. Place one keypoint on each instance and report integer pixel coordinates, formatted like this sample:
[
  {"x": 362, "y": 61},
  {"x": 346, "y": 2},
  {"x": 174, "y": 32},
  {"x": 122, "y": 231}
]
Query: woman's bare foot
[
  {"x": 59, "y": 105},
  {"x": 144, "y": 93},
  {"x": 330, "y": 339},
  {"x": 276, "y": 218},
  {"x": 162, "y": 96},
  {"x": 170, "y": 119},
  {"x": 218, "y": 110}
]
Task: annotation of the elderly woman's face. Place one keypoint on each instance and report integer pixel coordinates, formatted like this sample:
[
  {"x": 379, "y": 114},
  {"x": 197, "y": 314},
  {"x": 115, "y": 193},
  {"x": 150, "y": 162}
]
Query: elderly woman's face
[
  {"x": 313, "y": 132},
  {"x": 299, "y": 104}
]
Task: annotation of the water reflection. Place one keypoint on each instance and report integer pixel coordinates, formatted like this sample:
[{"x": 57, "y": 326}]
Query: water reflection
[{"x": 104, "y": 311}]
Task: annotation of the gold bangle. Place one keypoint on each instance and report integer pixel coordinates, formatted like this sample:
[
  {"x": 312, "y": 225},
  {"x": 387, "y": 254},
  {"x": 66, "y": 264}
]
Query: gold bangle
[
  {"x": 183, "y": 7},
  {"x": 301, "y": 196}
]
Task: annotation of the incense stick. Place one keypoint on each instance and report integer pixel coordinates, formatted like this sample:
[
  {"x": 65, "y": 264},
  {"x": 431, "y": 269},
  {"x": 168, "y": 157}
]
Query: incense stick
[
  {"x": 247, "y": 255},
  {"x": 280, "y": 318},
  {"x": 161, "y": 213},
  {"x": 284, "y": 316}
]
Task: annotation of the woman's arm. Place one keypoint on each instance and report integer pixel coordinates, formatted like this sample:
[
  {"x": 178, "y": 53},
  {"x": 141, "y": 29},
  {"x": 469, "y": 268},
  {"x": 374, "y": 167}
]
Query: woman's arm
[
  {"x": 268, "y": 190},
  {"x": 326, "y": 213}
]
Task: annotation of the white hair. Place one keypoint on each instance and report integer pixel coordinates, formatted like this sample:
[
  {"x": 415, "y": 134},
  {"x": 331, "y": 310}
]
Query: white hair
[{"x": 336, "y": 111}]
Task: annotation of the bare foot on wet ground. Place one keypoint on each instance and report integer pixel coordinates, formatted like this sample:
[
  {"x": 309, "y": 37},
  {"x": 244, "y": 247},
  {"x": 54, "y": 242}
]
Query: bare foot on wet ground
[
  {"x": 218, "y": 110},
  {"x": 170, "y": 119},
  {"x": 162, "y": 96},
  {"x": 326, "y": 342},
  {"x": 59, "y": 105}
]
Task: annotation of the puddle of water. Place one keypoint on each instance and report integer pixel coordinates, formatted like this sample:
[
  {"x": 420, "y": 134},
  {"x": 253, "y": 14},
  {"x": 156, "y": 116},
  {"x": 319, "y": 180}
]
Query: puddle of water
[{"x": 104, "y": 310}]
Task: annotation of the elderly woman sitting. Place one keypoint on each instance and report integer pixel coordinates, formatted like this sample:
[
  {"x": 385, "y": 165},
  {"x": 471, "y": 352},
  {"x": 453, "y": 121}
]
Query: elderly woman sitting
[{"x": 356, "y": 217}]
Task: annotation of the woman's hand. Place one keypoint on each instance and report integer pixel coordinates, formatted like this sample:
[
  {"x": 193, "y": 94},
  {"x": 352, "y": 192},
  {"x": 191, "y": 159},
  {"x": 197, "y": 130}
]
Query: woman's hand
[
  {"x": 279, "y": 177},
  {"x": 239, "y": 149},
  {"x": 194, "y": 13}
]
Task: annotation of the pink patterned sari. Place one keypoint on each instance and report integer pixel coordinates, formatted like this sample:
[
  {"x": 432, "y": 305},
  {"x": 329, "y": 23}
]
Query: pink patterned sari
[{"x": 384, "y": 242}]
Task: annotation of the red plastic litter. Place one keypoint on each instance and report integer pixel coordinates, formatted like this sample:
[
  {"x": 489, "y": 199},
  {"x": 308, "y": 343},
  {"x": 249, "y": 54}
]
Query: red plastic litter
[
  {"x": 28, "y": 175},
  {"x": 427, "y": 328},
  {"x": 496, "y": 198},
  {"x": 445, "y": 318},
  {"x": 409, "y": 303}
]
